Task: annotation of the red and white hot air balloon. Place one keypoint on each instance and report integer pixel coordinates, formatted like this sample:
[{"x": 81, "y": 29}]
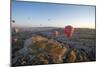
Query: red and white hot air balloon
[
  {"x": 55, "y": 33},
  {"x": 68, "y": 30}
]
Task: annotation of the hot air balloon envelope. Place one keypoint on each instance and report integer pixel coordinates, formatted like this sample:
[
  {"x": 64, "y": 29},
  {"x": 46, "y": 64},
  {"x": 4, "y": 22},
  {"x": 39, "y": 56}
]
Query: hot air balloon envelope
[
  {"x": 13, "y": 21},
  {"x": 55, "y": 33},
  {"x": 68, "y": 30}
]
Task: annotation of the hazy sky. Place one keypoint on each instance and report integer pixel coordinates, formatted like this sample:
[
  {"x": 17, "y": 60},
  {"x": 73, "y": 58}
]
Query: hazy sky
[{"x": 55, "y": 15}]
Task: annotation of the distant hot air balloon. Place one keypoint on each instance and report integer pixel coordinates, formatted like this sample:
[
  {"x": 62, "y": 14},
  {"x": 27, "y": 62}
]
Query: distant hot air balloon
[
  {"x": 40, "y": 24},
  {"x": 13, "y": 21},
  {"x": 16, "y": 30},
  {"x": 68, "y": 30},
  {"x": 49, "y": 19},
  {"x": 55, "y": 33}
]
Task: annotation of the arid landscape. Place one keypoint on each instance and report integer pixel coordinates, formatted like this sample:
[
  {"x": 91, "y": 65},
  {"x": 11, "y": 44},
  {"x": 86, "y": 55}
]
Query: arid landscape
[
  {"x": 51, "y": 33},
  {"x": 37, "y": 45}
]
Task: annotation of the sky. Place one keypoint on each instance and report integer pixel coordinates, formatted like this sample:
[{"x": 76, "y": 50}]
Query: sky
[{"x": 32, "y": 14}]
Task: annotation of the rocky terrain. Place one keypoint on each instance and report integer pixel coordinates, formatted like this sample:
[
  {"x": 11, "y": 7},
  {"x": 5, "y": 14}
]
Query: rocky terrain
[{"x": 35, "y": 48}]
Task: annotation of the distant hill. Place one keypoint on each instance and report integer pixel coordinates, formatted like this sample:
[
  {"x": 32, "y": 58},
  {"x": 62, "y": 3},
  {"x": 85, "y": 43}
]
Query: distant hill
[
  {"x": 34, "y": 29},
  {"x": 38, "y": 29}
]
